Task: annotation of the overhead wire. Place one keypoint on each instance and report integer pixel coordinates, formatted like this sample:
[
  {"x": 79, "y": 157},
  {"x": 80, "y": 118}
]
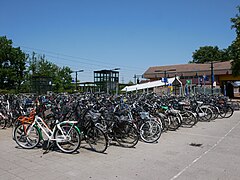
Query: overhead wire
[
  {"x": 89, "y": 68},
  {"x": 60, "y": 55}
]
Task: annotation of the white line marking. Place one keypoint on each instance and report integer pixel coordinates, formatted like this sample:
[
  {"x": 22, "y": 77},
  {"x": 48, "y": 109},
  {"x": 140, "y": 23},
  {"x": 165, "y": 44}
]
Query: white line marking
[{"x": 195, "y": 160}]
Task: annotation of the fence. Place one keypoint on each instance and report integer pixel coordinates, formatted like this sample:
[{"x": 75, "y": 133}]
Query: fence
[{"x": 206, "y": 90}]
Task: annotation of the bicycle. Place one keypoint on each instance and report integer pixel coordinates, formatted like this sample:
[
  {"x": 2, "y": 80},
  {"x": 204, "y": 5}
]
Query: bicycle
[
  {"x": 65, "y": 134},
  {"x": 93, "y": 132}
]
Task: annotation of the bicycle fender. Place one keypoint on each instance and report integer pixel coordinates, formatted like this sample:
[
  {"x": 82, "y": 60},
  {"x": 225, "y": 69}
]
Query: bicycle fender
[
  {"x": 71, "y": 123},
  {"x": 205, "y": 106},
  {"x": 39, "y": 131}
]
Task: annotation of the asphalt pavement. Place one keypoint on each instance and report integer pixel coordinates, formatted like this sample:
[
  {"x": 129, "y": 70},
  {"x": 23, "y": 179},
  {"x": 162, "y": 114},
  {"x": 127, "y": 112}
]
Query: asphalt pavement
[{"x": 209, "y": 150}]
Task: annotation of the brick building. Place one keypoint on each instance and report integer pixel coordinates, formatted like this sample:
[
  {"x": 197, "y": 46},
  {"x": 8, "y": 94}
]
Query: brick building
[{"x": 222, "y": 74}]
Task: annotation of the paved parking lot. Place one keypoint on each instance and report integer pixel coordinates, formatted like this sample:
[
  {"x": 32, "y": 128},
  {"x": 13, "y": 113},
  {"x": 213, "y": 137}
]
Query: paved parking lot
[{"x": 216, "y": 157}]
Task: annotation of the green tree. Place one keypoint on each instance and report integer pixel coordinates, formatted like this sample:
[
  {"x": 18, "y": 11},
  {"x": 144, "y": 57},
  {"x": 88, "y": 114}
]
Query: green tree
[
  {"x": 12, "y": 65},
  {"x": 65, "y": 78},
  {"x": 209, "y": 53},
  {"x": 39, "y": 66},
  {"x": 235, "y": 47}
]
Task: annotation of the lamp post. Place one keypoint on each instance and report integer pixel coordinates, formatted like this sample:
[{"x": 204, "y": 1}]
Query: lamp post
[{"x": 76, "y": 72}]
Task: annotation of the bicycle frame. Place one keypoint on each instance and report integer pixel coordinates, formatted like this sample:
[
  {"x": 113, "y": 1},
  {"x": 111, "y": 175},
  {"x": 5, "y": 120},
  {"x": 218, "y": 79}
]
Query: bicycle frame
[
  {"x": 41, "y": 124},
  {"x": 199, "y": 112}
]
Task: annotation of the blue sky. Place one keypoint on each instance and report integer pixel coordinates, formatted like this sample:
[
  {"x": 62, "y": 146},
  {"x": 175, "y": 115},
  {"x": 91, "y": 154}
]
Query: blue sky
[{"x": 128, "y": 34}]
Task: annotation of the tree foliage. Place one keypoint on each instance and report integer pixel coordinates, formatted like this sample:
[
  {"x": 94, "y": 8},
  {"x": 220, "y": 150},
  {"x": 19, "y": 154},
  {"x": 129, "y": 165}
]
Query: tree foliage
[
  {"x": 12, "y": 65},
  {"x": 40, "y": 66},
  {"x": 17, "y": 69},
  {"x": 210, "y": 53},
  {"x": 235, "y": 47}
]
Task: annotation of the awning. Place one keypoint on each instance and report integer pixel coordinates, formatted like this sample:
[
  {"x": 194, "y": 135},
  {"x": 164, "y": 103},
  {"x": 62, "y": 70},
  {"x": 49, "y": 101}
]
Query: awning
[
  {"x": 236, "y": 84},
  {"x": 148, "y": 85}
]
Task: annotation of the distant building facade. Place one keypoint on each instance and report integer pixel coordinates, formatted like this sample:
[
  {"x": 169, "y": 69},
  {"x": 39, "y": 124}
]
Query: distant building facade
[
  {"x": 198, "y": 74},
  {"x": 106, "y": 81},
  {"x": 41, "y": 84}
]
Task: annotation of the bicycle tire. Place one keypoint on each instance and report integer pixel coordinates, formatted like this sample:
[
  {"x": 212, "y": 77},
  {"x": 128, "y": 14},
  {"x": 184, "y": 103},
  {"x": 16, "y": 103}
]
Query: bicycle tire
[
  {"x": 174, "y": 123},
  {"x": 189, "y": 119},
  {"x": 228, "y": 112},
  {"x": 164, "y": 122},
  {"x": 126, "y": 134},
  {"x": 9, "y": 122},
  {"x": 27, "y": 141},
  {"x": 222, "y": 112},
  {"x": 207, "y": 114},
  {"x": 97, "y": 139},
  {"x": 74, "y": 138},
  {"x": 215, "y": 112},
  {"x": 150, "y": 131},
  {"x": 2, "y": 122}
]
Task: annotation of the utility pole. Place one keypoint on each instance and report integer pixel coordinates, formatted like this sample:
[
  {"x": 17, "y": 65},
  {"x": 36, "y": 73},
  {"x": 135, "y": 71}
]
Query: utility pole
[
  {"x": 76, "y": 72},
  {"x": 136, "y": 78},
  {"x": 212, "y": 77},
  {"x": 175, "y": 87},
  {"x": 165, "y": 77}
]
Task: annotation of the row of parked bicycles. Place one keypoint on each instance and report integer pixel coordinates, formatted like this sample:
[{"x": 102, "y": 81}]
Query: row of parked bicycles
[{"x": 64, "y": 121}]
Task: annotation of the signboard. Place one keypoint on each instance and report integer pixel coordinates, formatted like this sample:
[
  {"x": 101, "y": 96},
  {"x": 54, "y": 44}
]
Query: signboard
[
  {"x": 206, "y": 78},
  {"x": 214, "y": 83},
  {"x": 165, "y": 80},
  {"x": 189, "y": 81}
]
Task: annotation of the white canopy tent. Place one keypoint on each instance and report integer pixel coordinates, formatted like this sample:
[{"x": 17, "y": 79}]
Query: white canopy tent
[{"x": 148, "y": 85}]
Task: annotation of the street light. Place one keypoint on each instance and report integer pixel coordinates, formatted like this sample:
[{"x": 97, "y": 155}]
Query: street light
[{"x": 76, "y": 76}]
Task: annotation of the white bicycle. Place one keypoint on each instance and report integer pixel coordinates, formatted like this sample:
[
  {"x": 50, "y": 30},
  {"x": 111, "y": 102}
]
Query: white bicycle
[{"x": 65, "y": 134}]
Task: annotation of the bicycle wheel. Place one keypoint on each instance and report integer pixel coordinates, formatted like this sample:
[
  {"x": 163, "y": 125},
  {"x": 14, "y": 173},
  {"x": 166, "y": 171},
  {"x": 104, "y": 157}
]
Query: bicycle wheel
[
  {"x": 207, "y": 116},
  {"x": 166, "y": 123},
  {"x": 222, "y": 112},
  {"x": 163, "y": 121},
  {"x": 72, "y": 142},
  {"x": 189, "y": 119},
  {"x": 228, "y": 112},
  {"x": 175, "y": 122},
  {"x": 16, "y": 123},
  {"x": 215, "y": 112},
  {"x": 126, "y": 134},
  {"x": 27, "y": 141},
  {"x": 9, "y": 122},
  {"x": 97, "y": 139},
  {"x": 2, "y": 122},
  {"x": 150, "y": 131}
]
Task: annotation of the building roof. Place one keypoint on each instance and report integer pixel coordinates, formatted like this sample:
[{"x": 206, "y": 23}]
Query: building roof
[
  {"x": 148, "y": 85},
  {"x": 188, "y": 70},
  {"x": 106, "y": 71}
]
